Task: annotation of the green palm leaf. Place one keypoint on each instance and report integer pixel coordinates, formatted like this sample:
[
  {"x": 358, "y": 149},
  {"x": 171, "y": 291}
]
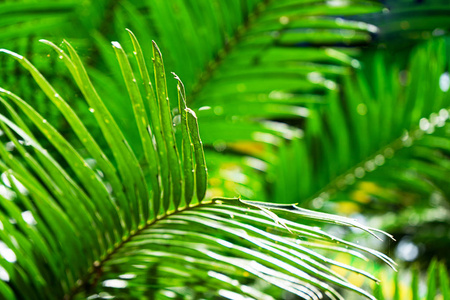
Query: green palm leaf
[
  {"x": 73, "y": 227},
  {"x": 411, "y": 138},
  {"x": 244, "y": 62}
]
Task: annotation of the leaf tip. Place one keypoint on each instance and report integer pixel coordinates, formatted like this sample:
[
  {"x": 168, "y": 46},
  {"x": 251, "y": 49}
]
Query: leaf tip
[
  {"x": 116, "y": 44},
  {"x": 180, "y": 84},
  {"x": 14, "y": 54},
  {"x": 175, "y": 76},
  {"x": 156, "y": 49},
  {"x": 132, "y": 35}
]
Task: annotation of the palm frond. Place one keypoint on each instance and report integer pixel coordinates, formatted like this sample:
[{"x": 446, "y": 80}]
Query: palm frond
[
  {"x": 77, "y": 222},
  {"x": 409, "y": 128},
  {"x": 270, "y": 60},
  {"x": 261, "y": 55},
  {"x": 267, "y": 64}
]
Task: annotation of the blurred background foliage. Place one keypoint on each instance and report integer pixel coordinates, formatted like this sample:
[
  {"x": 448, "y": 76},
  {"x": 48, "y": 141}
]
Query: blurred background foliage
[{"x": 340, "y": 106}]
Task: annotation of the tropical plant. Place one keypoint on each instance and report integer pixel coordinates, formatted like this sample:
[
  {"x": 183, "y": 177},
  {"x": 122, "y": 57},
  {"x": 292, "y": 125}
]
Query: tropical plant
[
  {"x": 248, "y": 65},
  {"x": 286, "y": 114},
  {"x": 401, "y": 165},
  {"x": 258, "y": 54},
  {"x": 131, "y": 226}
]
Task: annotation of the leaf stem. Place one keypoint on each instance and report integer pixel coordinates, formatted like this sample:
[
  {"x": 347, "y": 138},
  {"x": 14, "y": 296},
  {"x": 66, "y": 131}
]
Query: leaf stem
[
  {"x": 387, "y": 151},
  {"x": 95, "y": 271},
  {"x": 214, "y": 63}
]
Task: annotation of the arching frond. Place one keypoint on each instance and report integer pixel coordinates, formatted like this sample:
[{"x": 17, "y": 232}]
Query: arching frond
[{"x": 78, "y": 222}]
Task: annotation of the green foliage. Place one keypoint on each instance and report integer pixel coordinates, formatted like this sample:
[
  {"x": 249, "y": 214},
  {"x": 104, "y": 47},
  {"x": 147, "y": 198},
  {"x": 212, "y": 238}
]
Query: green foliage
[
  {"x": 435, "y": 284},
  {"x": 239, "y": 58},
  {"x": 393, "y": 119},
  {"x": 102, "y": 222},
  {"x": 109, "y": 197},
  {"x": 410, "y": 129}
]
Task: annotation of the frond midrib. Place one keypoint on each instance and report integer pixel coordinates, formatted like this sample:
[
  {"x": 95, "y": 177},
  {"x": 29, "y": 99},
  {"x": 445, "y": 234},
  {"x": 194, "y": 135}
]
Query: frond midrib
[
  {"x": 228, "y": 46},
  {"x": 387, "y": 151},
  {"x": 95, "y": 271}
]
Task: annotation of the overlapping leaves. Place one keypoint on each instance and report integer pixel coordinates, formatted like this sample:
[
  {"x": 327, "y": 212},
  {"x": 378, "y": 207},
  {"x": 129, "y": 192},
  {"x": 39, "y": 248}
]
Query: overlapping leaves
[
  {"x": 408, "y": 104},
  {"x": 244, "y": 62},
  {"x": 436, "y": 284},
  {"x": 77, "y": 222}
]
